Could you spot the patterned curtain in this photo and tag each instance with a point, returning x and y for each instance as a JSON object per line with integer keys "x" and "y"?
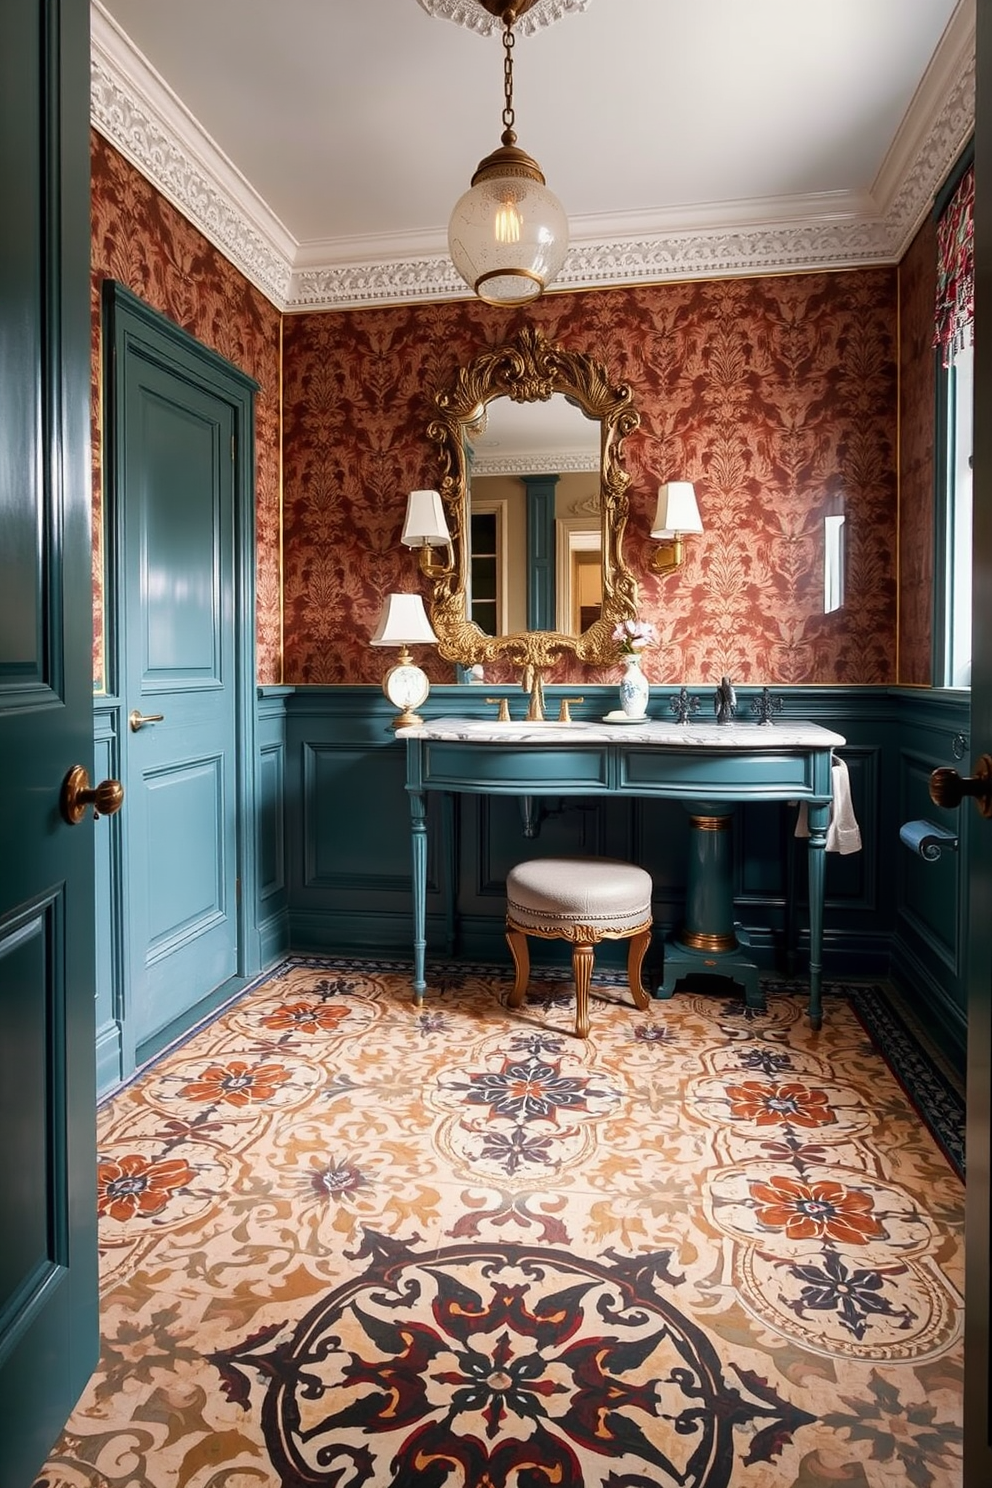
{"x": 956, "y": 271}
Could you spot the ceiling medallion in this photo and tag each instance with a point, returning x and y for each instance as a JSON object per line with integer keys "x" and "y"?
{"x": 532, "y": 15}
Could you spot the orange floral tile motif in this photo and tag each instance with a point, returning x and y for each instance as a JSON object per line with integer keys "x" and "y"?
{"x": 303, "y": 1017}
{"x": 459, "y": 1234}
{"x": 816, "y": 1211}
{"x": 773, "y": 1105}
{"x": 132, "y": 1186}
{"x": 237, "y": 1083}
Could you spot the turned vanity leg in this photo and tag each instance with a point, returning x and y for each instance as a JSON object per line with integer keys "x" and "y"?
{"x": 418, "y": 813}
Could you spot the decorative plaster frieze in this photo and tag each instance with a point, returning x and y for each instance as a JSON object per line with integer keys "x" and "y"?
{"x": 937, "y": 152}
{"x": 470, "y": 13}
{"x": 138, "y": 115}
{"x": 549, "y": 462}
{"x": 131, "y": 107}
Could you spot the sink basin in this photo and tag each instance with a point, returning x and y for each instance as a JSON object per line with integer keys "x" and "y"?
{"x": 526, "y": 723}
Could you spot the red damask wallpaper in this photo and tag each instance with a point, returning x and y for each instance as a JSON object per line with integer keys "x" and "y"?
{"x": 917, "y": 290}
{"x": 145, "y": 244}
{"x": 776, "y": 396}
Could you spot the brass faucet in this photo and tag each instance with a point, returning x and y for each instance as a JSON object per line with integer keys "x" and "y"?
{"x": 532, "y": 682}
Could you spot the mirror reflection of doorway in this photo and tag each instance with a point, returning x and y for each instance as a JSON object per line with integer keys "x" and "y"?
{"x": 586, "y": 588}
{"x": 579, "y": 573}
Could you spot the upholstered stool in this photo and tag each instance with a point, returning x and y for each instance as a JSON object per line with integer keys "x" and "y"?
{"x": 584, "y": 900}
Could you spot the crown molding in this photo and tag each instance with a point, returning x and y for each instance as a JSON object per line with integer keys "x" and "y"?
{"x": 139, "y": 115}
{"x": 134, "y": 108}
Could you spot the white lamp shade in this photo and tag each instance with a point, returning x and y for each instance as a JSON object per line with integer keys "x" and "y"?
{"x": 403, "y": 622}
{"x": 677, "y": 510}
{"x": 425, "y": 524}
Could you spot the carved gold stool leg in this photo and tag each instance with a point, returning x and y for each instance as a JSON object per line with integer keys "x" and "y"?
{"x": 582, "y": 957}
{"x": 517, "y": 941}
{"x": 636, "y": 952}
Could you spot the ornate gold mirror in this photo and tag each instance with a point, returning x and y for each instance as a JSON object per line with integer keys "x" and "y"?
{"x": 530, "y": 369}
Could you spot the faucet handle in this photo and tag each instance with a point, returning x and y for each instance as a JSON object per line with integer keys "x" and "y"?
{"x": 564, "y": 716}
{"x": 504, "y": 709}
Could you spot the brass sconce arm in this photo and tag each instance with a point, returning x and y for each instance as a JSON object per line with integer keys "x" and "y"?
{"x": 429, "y": 568}
{"x": 677, "y": 514}
{"x": 668, "y": 555}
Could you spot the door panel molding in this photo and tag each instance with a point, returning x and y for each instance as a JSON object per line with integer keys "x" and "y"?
{"x": 137, "y": 337}
{"x": 49, "y": 1334}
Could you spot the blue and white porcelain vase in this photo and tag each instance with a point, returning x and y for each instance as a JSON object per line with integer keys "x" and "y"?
{"x": 635, "y": 689}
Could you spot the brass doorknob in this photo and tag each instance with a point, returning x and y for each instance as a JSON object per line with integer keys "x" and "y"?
{"x": 77, "y": 794}
{"x": 948, "y": 788}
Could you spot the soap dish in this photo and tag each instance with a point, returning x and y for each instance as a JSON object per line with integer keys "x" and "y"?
{"x": 618, "y": 716}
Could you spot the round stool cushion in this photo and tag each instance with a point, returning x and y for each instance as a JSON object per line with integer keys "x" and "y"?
{"x": 602, "y": 892}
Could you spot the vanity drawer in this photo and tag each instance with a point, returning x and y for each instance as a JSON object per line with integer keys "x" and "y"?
{"x": 471, "y": 767}
{"x": 716, "y": 774}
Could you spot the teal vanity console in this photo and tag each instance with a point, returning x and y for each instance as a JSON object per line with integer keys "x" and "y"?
{"x": 708, "y": 766}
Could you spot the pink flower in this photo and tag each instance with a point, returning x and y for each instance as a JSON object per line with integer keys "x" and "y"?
{"x": 634, "y": 635}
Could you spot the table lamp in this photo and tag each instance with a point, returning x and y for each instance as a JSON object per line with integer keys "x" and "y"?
{"x": 404, "y": 623}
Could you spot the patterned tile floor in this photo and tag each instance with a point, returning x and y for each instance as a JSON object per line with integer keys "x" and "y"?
{"x": 348, "y": 1242}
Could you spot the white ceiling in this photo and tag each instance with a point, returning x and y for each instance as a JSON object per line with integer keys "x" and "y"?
{"x": 322, "y": 143}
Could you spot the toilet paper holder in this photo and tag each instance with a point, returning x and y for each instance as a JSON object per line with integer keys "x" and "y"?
{"x": 927, "y": 839}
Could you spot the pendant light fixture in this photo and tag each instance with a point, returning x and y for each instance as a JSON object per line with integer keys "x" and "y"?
{"x": 508, "y": 234}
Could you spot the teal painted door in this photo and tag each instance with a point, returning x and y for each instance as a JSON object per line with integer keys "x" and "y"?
{"x": 48, "y": 1276}
{"x": 177, "y": 463}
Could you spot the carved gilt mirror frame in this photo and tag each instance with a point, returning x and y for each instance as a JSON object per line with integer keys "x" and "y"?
{"x": 528, "y": 370}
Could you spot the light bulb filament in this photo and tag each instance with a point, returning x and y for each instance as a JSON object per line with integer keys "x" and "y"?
{"x": 507, "y": 222}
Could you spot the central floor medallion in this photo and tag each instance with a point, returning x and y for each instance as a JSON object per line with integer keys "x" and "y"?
{"x": 481, "y": 1365}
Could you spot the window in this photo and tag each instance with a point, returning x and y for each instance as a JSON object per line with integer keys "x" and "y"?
{"x": 487, "y": 586}
{"x": 956, "y": 670}
{"x": 953, "y": 506}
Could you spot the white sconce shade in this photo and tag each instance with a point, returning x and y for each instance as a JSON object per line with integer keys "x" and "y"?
{"x": 677, "y": 510}
{"x": 425, "y": 524}
{"x": 403, "y": 622}
{"x": 677, "y": 514}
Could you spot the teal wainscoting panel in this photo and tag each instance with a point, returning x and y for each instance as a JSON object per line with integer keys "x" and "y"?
{"x": 109, "y": 927}
{"x": 348, "y": 833}
{"x": 350, "y": 859}
{"x": 929, "y": 891}
{"x": 931, "y": 897}
{"x": 273, "y": 886}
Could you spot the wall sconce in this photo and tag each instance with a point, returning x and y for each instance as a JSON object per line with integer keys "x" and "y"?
{"x": 425, "y": 528}
{"x": 404, "y": 623}
{"x": 677, "y": 514}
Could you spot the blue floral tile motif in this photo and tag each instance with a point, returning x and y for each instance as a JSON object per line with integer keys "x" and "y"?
{"x": 855, "y": 1295}
{"x": 764, "y": 1060}
{"x": 528, "y": 1089}
{"x": 515, "y": 1149}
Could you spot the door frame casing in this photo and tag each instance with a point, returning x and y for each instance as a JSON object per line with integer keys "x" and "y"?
{"x": 132, "y": 327}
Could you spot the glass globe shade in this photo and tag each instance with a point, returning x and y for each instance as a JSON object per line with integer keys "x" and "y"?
{"x": 508, "y": 237}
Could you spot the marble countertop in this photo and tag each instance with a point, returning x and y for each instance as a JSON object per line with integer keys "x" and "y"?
{"x": 651, "y": 732}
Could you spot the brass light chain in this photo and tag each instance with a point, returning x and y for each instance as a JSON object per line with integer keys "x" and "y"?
{"x": 508, "y": 44}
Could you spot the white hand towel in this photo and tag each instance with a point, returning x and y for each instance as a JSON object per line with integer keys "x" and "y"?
{"x": 843, "y": 832}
